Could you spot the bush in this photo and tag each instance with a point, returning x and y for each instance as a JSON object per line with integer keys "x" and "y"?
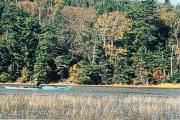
{"x": 88, "y": 74}
{"x": 176, "y": 78}
{"x": 62, "y": 66}
{"x": 5, "y": 77}
{"x": 25, "y": 75}
{"x": 107, "y": 73}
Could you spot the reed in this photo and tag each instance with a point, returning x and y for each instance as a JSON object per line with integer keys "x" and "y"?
{"x": 68, "y": 107}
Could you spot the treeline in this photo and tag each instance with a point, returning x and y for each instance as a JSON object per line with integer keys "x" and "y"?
{"x": 89, "y": 41}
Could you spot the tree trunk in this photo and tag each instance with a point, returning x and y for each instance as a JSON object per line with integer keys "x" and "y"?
{"x": 94, "y": 52}
{"x": 39, "y": 16}
{"x": 111, "y": 50}
{"x": 140, "y": 73}
{"x": 7, "y": 34}
{"x": 171, "y": 73}
{"x": 16, "y": 2}
{"x": 164, "y": 72}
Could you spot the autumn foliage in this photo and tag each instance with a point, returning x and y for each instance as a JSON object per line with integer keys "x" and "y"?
{"x": 113, "y": 24}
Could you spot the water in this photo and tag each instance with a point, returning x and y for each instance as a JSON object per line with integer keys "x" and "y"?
{"x": 137, "y": 107}
{"x": 99, "y": 92}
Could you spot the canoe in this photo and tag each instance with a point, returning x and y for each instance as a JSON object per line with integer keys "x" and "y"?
{"x": 38, "y": 88}
{"x": 56, "y": 88}
{"x": 20, "y": 88}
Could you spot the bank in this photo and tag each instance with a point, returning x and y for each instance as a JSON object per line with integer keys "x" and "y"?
{"x": 163, "y": 86}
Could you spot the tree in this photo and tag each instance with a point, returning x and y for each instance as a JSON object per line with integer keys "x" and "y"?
{"x": 20, "y": 37}
{"x": 167, "y": 2}
{"x": 144, "y": 37}
{"x": 170, "y": 17}
{"x": 112, "y": 27}
{"x": 111, "y": 6}
{"x": 87, "y": 74}
{"x": 128, "y": 42}
{"x": 43, "y": 66}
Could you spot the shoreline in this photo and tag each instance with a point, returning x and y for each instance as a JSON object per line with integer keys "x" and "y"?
{"x": 160, "y": 86}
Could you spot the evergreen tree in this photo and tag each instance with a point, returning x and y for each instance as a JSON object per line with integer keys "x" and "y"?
{"x": 145, "y": 34}
{"x": 167, "y": 2}
{"x": 43, "y": 66}
{"x": 20, "y": 33}
{"x": 128, "y": 42}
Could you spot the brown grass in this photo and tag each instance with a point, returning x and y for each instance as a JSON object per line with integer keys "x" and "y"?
{"x": 78, "y": 15}
{"x": 164, "y": 86}
{"x": 88, "y": 108}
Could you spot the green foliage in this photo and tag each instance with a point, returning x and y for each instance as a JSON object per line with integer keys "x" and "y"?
{"x": 80, "y": 3}
{"x": 42, "y": 68}
{"x": 70, "y": 46}
{"x": 167, "y": 1}
{"x": 111, "y": 5}
{"x": 25, "y": 75}
{"x": 88, "y": 74}
{"x": 144, "y": 27}
{"x": 5, "y": 77}
{"x": 20, "y": 36}
{"x": 68, "y": 2}
{"x": 62, "y": 66}
{"x": 107, "y": 73}
{"x": 176, "y": 78}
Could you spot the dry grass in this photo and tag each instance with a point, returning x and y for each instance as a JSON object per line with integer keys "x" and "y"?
{"x": 164, "y": 85}
{"x": 168, "y": 85}
{"x": 88, "y": 108}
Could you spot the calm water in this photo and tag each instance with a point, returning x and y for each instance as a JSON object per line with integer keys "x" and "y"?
{"x": 100, "y": 91}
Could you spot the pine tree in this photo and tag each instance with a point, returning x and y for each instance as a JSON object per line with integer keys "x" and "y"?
{"x": 42, "y": 66}
{"x": 20, "y": 34}
{"x": 167, "y": 2}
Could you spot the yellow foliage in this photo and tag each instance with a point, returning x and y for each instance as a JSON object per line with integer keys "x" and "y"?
{"x": 166, "y": 15}
{"x": 74, "y": 70}
{"x": 177, "y": 51}
{"x": 58, "y": 1}
{"x": 113, "y": 24}
{"x": 114, "y": 52}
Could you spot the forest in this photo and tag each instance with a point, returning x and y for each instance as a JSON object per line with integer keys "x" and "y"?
{"x": 89, "y": 41}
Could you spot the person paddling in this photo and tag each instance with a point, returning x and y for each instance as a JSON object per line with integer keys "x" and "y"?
{"x": 38, "y": 84}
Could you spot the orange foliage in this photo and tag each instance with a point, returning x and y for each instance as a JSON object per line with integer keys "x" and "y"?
{"x": 177, "y": 51}
{"x": 158, "y": 73}
{"x": 74, "y": 70}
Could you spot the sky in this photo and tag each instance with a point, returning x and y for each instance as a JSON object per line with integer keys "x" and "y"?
{"x": 174, "y": 2}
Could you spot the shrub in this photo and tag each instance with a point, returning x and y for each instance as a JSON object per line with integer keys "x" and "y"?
{"x": 176, "y": 78}
{"x": 88, "y": 74}
{"x": 5, "y": 77}
{"x": 25, "y": 75}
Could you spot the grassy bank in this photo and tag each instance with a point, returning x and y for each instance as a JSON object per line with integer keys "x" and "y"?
{"x": 88, "y": 108}
{"x": 165, "y": 85}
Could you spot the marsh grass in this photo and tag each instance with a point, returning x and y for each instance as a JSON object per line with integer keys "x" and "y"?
{"x": 68, "y": 107}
